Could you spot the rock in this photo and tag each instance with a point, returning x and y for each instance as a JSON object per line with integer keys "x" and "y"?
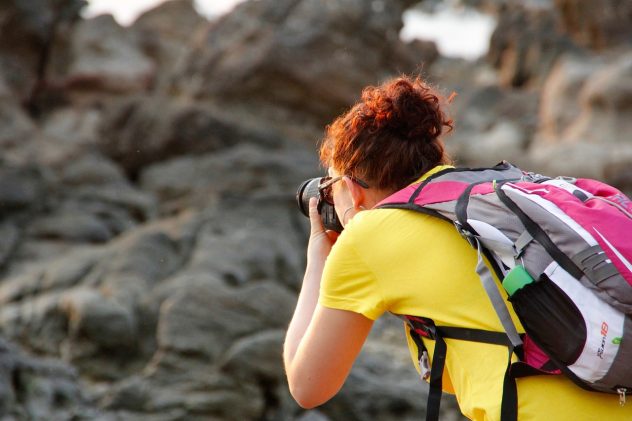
{"x": 54, "y": 208}
{"x": 21, "y": 187}
{"x": 487, "y": 115}
{"x": 174, "y": 20}
{"x": 149, "y": 254}
{"x": 235, "y": 247}
{"x": 606, "y": 105}
{"x": 15, "y": 125}
{"x": 558, "y": 105}
{"x": 149, "y": 233}
{"x": 526, "y": 44}
{"x": 137, "y": 206}
{"x": 105, "y": 57}
{"x": 256, "y": 356}
{"x": 593, "y": 141}
{"x": 570, "y": 159}
{"x": 598, "y": 24}
{"x": 102, "y": 336}
{"x": 5, "y": 92}
{"x": 35, "y": 388}
{"x": 68, "y": 271}
{"x": 29, "y": 30}
{"x": 39, "y": 323}
{"x": 65, "y": 272}
{"x": 503, "y": 140}
{"x": 165, "y": 34}
{"x": 146, "y": 130}
{"x": 198, "y": 181}
{"x": 264, "y": 53}
{"x": 74, "y": 128}
{"x": 100, "y": 320}
{"x": 618, "y": 172}
{"x": 313, "y": 415}
{"x": 9, "y": 238}
{"x": 92, "y": 169}
{"x": 70, "y": 226}
{"x": 204, "y": 314}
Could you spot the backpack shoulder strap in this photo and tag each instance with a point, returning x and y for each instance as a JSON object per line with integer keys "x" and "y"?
{"x": 423, "y": 327}
{"x": 447, "y": 185}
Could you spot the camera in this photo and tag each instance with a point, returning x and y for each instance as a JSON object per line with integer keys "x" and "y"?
{"x": 327, "y": 212}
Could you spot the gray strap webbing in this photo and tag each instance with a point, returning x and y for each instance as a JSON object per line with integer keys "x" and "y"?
{"x": 497, "y": 300}
{"x": 496, "y": 246}
{"x": 514, "y": 249}
{"x": 522, "y": 241}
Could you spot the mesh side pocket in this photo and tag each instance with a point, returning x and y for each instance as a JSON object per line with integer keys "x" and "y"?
{"x": 551, "y": 319}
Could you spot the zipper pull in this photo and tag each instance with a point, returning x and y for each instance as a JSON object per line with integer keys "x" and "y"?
{"x": 424, "y": 366}
{"x": 622, "y": 391}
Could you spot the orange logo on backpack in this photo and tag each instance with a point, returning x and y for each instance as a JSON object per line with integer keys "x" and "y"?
{"x": 604, "y": 333}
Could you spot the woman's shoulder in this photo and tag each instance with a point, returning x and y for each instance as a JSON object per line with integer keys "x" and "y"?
{"x": 391, "y": 230}
{"x": 385, "y": 221}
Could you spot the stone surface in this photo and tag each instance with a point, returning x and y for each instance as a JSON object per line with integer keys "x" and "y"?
{"x": 599, "y": 24}
{"x": 141, "y": 131}
{"x": 594, "y": 141}
{"x": 606, "y": 105}
{"x": 526, "y": 43}
{"x": 106, "y": 57}
{"x": 151, "y": 250}
{"x": 487, "y": 115}
{"x": 165, "y": 34}
{"x": 265, "y": 55}
{"x": 29, "y": 30}
{"x": 558, "y": 104}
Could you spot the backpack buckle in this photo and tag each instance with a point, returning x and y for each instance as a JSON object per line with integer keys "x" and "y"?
{"x": 424, "y": 366}
{"x": 466, "y": 234}
{"x": 622, "y": 392}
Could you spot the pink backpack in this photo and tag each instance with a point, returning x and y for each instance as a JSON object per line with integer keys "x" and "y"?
{"x": 562, "y": 248}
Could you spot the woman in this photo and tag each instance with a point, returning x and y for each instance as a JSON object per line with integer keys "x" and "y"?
{"x": 405, "y": 263}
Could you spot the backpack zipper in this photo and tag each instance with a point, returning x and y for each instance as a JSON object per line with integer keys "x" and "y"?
{"x": 622, "y": 391}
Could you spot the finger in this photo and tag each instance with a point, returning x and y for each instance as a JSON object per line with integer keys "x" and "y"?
{"x": 333, "y": 235}
{"x": 316, "y": 224}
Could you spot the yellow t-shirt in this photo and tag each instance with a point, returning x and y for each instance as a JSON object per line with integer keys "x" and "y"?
{"x": 410, "y": 263}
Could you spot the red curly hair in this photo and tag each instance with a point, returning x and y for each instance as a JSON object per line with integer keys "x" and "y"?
{"x": 391, "y": 136}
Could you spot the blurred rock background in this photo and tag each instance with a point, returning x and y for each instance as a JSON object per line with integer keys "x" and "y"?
{"x": 150, "y": 246}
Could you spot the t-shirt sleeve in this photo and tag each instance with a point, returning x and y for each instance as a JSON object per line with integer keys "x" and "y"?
{"x": 348, "y": 282}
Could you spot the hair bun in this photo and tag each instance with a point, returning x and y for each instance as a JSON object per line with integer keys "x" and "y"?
{"x": 409, "y": 109}
{"x": 390, "y": 137}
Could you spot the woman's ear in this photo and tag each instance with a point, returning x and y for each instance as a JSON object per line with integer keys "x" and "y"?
{"x": 358, "y": 193}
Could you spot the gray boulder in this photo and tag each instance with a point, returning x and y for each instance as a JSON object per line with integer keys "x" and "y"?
{"x": 39, "y": 389}
{"x": 597, "y": 24}
{"x": 594, "y": 142}
{"x": 291, "y": 53}
{"x": 526, "y": 43}
{"x": 104, "y": 56}
{"x": 166, "y": 33}
{"x": 141, "y": 131}
{"x": 492, "y": 124}
{"x": 29, "y": 30}
{"x": 558, "y": 104}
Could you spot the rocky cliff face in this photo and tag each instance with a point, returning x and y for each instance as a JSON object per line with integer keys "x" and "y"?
{"x": 150, "y": 246}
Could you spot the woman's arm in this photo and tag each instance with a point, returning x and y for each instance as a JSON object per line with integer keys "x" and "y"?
{"x": 321, "y": 343}
{"x": 325, "y": 355}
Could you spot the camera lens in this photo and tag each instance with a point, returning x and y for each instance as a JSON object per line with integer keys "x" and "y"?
{"x": 307, "y": 190}
{"x": 327, "y": 212}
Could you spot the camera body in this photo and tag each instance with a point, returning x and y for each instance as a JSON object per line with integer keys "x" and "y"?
{"x": 310, "y": 188}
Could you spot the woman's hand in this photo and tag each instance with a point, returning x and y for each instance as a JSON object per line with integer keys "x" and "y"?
{"x": 320, "y": 240}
